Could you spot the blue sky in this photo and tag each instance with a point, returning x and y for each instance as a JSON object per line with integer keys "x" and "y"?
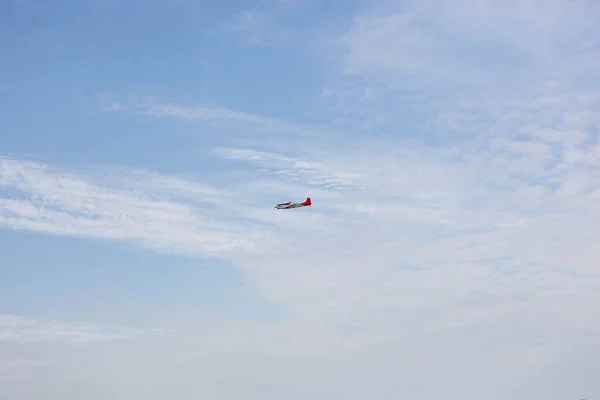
{"x": 451, "y": 152}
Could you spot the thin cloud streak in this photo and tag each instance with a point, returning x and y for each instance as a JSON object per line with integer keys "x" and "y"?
{"x": 21, "y": 329}
{"x": 63, "y": 203}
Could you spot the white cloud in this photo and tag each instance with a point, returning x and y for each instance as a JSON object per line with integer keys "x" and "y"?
{"x": 243, "y": 126}
{"x": 200, "y": 113}
{"x": 310, "y": 172}
{"x": 368, "y": 49}
{"x": 134, "y": 207}
{"x": 146, "y": 105}
{"x": 262, "y": 25}
{"x": 20, "y": 329}
{"x": 402, "y": 249}
{"x": 251, "y": 24}
{"x": 33, "y": 349}
{"x": 459, "y": 209}
{"x": 456, "y": 67}
{"x": 506, "y": 179}
{"x": 453, "y": 235}
{"x": 415, "y": 209}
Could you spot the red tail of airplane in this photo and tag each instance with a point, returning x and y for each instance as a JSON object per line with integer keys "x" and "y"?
{"x": 306, "y": 202}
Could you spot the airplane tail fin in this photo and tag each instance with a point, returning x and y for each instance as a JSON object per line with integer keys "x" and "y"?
{"x": 307, "y": 202}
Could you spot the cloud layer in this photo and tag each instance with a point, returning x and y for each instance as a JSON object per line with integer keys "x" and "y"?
{"x": 453, "y": 237}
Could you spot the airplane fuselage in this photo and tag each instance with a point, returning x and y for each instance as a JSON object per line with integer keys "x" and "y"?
{"x": 289, "y": 204}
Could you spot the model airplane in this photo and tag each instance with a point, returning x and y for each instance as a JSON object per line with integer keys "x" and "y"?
{"x": 289, "y": 204}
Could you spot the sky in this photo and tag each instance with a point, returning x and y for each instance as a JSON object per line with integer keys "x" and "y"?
{"x": 450, "y": 149}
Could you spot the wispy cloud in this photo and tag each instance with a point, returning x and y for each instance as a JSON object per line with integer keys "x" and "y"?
{"x": 233, "y": 127}
{"x": 113, "y": 107}
{"x": 455, "y": 203}
{"x": 391, "y": 200}
{"x": 477, "y": 154}
{"x": 295, "y": 169}
{"x": 267, "y": 24}
{"x": 135, "y": 207}
{"x": 145, "y": 105}
{"x": 456, "y": 44}
{"x": 251, "y": 24}
{"x": 201, "y": 113}
{"x": 457, "y": 219}
{"x": 149, "y": 106}
{"x": 16, "y": 328}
